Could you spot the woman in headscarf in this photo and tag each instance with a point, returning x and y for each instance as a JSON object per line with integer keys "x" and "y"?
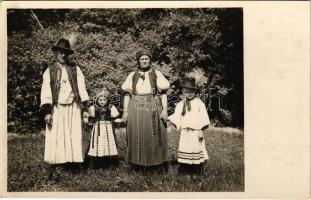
{"x": 145, "y": 108}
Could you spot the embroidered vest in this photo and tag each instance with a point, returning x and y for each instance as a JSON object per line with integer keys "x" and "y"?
{"x": 103, "y": 114}
{"x": 55, "y": 76}
{"x": 152, "y": 78}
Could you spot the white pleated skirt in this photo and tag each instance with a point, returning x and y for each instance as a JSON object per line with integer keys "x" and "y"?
{"x": 191, "y": 150}
{"x": 63, "y": 142}
{"x": 102, "y": 141}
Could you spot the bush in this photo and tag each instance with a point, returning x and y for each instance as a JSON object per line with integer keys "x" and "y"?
{"x": 105, "y": 46}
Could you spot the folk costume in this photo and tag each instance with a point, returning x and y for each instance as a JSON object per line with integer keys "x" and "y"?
{"x": 103, "y": 143}
{"x": 63, "y": 91}
{"x": 146, "y": 134}
{"x": 190, "y": 117}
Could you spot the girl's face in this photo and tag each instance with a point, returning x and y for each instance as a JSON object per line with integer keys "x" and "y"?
{"x": 144, "y": 61}
{"x": 61, "y": 56}
{"x": 188, "y": 93}
{"x": 102, "y": 101}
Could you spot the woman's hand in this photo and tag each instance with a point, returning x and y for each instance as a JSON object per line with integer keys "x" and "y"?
{"x": 85, "y": 117}
{"x": 124, "y": 116}
{"x": 164, "y": 115}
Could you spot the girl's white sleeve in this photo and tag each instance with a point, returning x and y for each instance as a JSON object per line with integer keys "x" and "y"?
{"x": 203, "y": 118}
{"x": 46, "y": 91}
{"x": 162, "y": 82}
{"x": 91, "y": 111}
{"x": 175, "y": 118}
{"x": 114, "y": 111}
{"x": 128, "y": 83}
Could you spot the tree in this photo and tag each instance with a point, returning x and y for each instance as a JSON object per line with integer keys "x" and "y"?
{"x": 105, "y": 42}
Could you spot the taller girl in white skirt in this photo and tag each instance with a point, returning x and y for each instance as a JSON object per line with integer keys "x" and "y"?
{"x": 103, "y": 143}
{"x": 191, "y": 118}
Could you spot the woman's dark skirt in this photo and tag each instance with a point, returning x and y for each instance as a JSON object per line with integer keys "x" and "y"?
{"x": 146, "y": 133}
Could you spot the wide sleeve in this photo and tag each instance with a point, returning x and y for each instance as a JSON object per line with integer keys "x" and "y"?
{"x": 202, "y": 118}
{"x": 81, "y": 85}
{"x": 46, "y": 91}
{"x": 127, "y": 86}
{"x": 162, "y": 82}
{"x": 114, "y": 111}
{"x": 91, "y": 111}
{"x": 175, "y": 118}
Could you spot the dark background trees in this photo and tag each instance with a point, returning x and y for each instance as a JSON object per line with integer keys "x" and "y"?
{"x": 106, "y": 40}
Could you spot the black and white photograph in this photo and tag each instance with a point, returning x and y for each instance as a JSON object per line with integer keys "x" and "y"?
{"x": 125, "y": 100}
{"x": 157, "y": 99}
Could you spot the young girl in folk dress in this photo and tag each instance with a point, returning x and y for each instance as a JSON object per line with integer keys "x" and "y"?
{"x": 102, "y": 144}
{"x": 191, "y": 118}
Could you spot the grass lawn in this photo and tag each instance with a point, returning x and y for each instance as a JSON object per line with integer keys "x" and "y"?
{"x": 224, "y": 171}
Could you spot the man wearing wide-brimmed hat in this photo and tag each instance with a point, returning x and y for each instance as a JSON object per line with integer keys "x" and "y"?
{"x": 63, "y": 95}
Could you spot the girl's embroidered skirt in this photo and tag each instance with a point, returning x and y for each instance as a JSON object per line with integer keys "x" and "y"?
{"x": 146, "y": 134}
{"x": 102, "y": 141}
{"x": 191, "y": 150}
{"x": 63, "y": 141}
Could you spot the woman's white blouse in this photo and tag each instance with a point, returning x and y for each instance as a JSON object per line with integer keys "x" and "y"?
{"x": 144, "y": 86}
{"x": 65, "y": 92}
{"x": 114, "y": 111}
{"x": 196, "y": 118}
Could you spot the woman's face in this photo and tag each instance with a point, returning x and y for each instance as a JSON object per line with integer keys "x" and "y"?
{"x": 188, "y": 93}
{"x": 102, "y": 101}
{"x": 144, "y": 61}
{"x": 61, "y": 56}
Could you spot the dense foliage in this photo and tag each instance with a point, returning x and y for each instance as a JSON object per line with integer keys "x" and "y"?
{"x": 105, "y": 41}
